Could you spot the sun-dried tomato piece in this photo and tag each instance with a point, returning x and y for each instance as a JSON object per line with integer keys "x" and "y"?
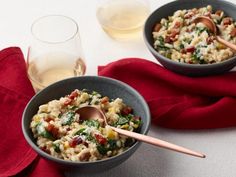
{"x": 157, "y": 27}
{"x": 73, "y": 95}
{"x": 48, "y": 118}
{"x": 227, "y": 21}
{"x": 67, "y": 102}
{"x": 53, "y": 130}
{"x": 100, "y": 139}
{"x": 177, "y": 24}
{"x": 210, "y": 39}
{"x": 105, "y": 100}
{"x": 233, "y": 32}
{"x": 75, "y": 141}
{"x": 190, "y": 49}
{"x": 218, "y": 12}
{"x": 126, "y": 110}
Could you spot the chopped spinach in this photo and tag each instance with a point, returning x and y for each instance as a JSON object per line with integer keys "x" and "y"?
{"x": 67, "y": 118}
{"x": 90, "y": 100}
{"x": 168, "y": 54}
{"x": 162, "y": 47}
{"x": 137, "y": 121}
{"x": 101, "y": 149}
{"x": 202, "y": 29}
{"x": 129, "y": 116}
{"x": 109, "y": 147}
{"x": 43, "y": 132}
{"x": 80, "y": 132}
{"x": 129, "y": 142}
{"x": 161, "y": 40}
{"x": 181, "y": 46}
{"x": 86, "y": 91}
{"x": 122, "y": 120}
{"x": 59, "y": 116}
{"x": 73, "y": 108}
{"x": 94, "y": 93}
{"x": 112, "y": 144}
{"x": 88, "y": 136}
{"x": 47, "y": 135}
{"x": 92, "y": 123}
{"x": 187, "y": 40}
{"x": 197, "y": 55}
{"x": 56, "y": 147}
{"x": 96, "y": 102}
{"x": 202, "y": 62}
{"x": 166, "y": 24}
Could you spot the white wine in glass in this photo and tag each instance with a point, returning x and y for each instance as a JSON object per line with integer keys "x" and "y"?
{"x": 123, "y": 19}
{"x": 55, "y": 52}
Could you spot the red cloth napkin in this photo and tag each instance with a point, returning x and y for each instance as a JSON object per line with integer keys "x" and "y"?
{"x": 178, "y": 101}
{"x": 15, "y": 91}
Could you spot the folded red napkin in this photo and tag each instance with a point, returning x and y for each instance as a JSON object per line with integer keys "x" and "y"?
{"x": 178, "y": 101}
{"x": 15, "y": 91}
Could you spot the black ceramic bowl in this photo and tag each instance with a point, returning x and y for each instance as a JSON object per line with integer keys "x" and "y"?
{"x": 106, "y": 86}
{"x": 183, "y": 68}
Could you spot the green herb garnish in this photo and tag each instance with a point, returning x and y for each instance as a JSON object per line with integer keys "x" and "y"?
{"x": 56, "y": 147}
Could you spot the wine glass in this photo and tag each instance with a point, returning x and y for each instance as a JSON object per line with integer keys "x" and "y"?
{"x": 55, "y": 52}
{"x": 123, "y": 19}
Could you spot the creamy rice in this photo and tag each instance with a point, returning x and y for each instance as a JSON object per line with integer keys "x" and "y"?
{"x": 181, "y": 40}
{"x": 59, "y": 131}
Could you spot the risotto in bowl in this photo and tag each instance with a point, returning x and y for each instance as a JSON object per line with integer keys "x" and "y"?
{"x": 188, "y": 48}
{"x": 53, "y": 128}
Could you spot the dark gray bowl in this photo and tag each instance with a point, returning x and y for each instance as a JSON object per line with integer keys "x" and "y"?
{"x": 183, "y": 68}
{"x": 106, "y": 86}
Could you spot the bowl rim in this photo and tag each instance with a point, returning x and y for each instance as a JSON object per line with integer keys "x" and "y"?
{"x": 155, "y": 52}
{"x": 67, "y": 162}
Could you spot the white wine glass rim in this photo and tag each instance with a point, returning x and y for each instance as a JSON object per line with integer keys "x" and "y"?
{"x": 55, "y": 42}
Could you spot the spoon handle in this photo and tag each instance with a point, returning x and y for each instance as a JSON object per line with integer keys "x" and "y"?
{"x": 157, "y": 142}
{"x": 228, "y": 44}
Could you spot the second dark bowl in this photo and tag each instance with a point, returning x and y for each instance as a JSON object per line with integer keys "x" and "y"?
{"x": 183, "y": 68}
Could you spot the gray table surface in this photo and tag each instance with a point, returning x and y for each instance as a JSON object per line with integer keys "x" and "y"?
{"x": 149, "y": 161}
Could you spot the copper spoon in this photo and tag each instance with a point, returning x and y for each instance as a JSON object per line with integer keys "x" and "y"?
{"x": 88, "y": 112}
{"x": 212, "y": 27}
